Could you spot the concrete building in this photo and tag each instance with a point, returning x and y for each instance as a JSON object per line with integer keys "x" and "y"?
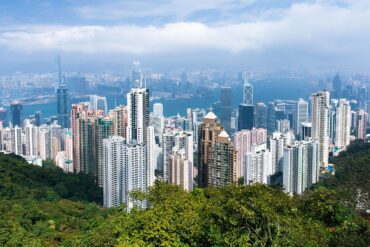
{"x": 320, "y": 124}
{"x": 301, "y": 166}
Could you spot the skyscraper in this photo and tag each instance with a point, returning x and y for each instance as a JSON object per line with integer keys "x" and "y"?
{"x": 59, "y": 75}
{"x": 342, "y": 124}
{"x": 83, "y": 133}
{"x": 337, "y": 86}
{"x": 63, "y": 107}
{"x": 301, "y": 166}
{"x": 246, "y": 117}
{"x": 158, "y": 109}
{"x": 139, "y": 149}
{"x": 103, "y": 129}
{"x": 113, "y": 171}
{"x": 361, "y": 124}
{"x": 181, "y": 166}
{"x": 38, "y": 118}
{"x": 277, "y": 143}
{"x": 243, "y": 142}
{"x": 137, "y": 114}
{"x": 124, "y": 171}
{"x": 258, "y": 165}
{"x": 16, "y": 108}
{"x": 247, "y": 92}
{"x": 320, "y": 124}
{"x": 302, "y": 115}
{"x": 44, "y": 142}
{"x": 283, "y": 125}
{"x": 137, "y": 76}
{"x": 31, "y": 138}
{"x": 246, "y": 109}
{"x": 261, "y": 115}
{"x": 225, "y": 108}
{"x": 306, "y": 130}
{"x": 98, "y": 103}
{"x": 271, "y": 118}
{"x": 207, "y": 133}
{"x": 119, "y": 117}
{"x": 3, "y": 116}
{"x": 216, "y": 154}
{"x": 16, "y": 140}
{"x": 221, "y": 161}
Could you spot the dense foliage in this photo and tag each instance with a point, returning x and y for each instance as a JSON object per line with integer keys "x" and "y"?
{"x": 35, "y": 211}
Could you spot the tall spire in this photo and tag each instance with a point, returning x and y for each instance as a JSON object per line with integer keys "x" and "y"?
{"x": 137, "y": 75}
{"x": 59, "y": 73}
{"x": 247, "y": 91}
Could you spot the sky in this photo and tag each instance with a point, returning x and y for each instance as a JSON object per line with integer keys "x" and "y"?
{"x": 185, "y": 33}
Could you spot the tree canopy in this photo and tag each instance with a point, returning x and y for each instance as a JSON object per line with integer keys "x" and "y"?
{"x": 42, "y": 206}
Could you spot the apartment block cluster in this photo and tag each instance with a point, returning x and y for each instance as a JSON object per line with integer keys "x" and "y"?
{"x": 128, "y": 148}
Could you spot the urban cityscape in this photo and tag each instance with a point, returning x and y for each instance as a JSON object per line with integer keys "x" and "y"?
{"x": 226, "y": 123}
{"x": 129, "y": 147}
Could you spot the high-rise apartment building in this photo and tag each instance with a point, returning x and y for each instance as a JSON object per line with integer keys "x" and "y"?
{"x": 83, "y": 132}
{"x": 301, "y": 166}
{"x": 243, "y": 142}
{"x": 221, "y": 161}
{"x": 124, "y": 172}
{"x": 16, "y": 140}
{"x": 44, "y": 142}
{"x": 207, "y": 133}
{"x": 137, "y": 114}
{"x": 119, "y": 117}
{"x": 103, "y": 129}
{"x": 258, "y": 165}
{"x": 31, "y": 138}
{"x": 177, "y": 150}
{"x": 320, "y": 124}
{"x": 342, "y": 124}
{"x": 216, "y": 154}
{"x": 113, "y": 171}
{"x": 361, "y": 124}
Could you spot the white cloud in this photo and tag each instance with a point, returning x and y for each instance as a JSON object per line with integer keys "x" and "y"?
{"x": 317, "y": 29}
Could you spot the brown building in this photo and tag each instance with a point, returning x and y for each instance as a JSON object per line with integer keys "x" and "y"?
{"x": 216, "y": 154}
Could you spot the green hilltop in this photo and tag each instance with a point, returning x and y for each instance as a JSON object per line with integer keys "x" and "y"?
{"x": 42, "y": 206}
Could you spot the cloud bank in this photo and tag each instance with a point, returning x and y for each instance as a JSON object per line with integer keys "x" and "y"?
{"x": 318, "y": 29}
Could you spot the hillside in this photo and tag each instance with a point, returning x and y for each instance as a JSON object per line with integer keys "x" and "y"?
{"x": 41, "y": 207}
{"x": 44, "y": 206}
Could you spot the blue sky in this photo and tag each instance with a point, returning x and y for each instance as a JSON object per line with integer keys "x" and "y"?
{"x": 270, "y": 33}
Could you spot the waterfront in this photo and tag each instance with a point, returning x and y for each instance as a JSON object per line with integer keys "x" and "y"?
{"x": 264, "y": 90}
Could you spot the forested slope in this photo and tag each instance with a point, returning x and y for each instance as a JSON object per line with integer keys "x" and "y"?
{"x": 45, "y": 207}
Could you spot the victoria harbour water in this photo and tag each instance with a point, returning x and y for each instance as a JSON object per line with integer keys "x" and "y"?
{"x": 264, "y": 90}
